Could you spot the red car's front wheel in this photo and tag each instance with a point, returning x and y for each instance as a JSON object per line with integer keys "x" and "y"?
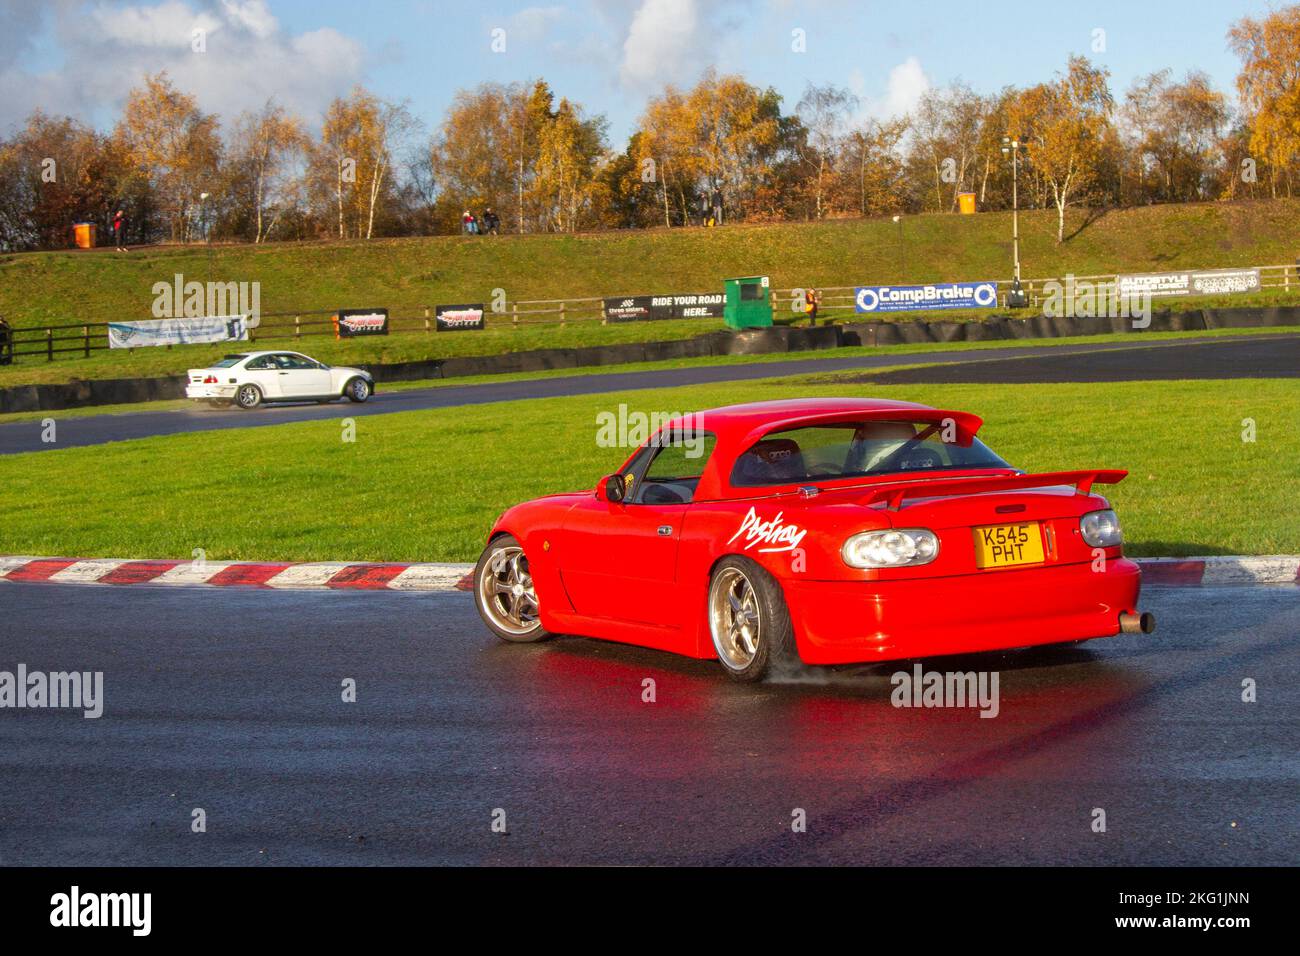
{"x": 504, "y": 592}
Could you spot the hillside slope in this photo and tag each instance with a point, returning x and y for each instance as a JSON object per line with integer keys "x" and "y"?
{"x": 407, "y": 275}
{"x": 55, "y": 287}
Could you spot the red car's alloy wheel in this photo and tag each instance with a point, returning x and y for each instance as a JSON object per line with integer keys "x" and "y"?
{"x": 506, "y": 597}
{"x": 734, "y": 618}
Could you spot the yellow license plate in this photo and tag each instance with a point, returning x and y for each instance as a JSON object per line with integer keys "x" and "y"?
{"x": 1005, "y": 545}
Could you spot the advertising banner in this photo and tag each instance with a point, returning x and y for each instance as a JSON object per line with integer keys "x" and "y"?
{"x": 706, "y": 305}
{"x": 632, "y": 308}
{"x": 939, "y": 295}
{"x": 349, "y": 323}
{"x": 639, "y": 308}
{"x": 455, "y": 318}
{"x": 148, "y": 332}
{"x": 1205, "y": 282}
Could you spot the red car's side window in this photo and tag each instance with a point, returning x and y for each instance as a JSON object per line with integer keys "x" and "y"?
{"x": 674, "y": 470}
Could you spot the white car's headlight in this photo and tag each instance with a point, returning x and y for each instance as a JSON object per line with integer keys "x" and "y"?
{"x": 1100, "y": 529}
{"x": 894, "y": 548}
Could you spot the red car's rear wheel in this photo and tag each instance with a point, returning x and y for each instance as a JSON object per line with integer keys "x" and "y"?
{"x": 748, "y": 620}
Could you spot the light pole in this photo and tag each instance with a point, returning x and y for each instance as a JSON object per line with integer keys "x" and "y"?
{"x": 902, "y": 259}
{"x": 207, "y": 230}
{"x": 1016, "y": 298}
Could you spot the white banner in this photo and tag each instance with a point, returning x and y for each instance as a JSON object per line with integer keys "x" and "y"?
{"x": 210, "y": 328}
{"x": 1204, "y": 282}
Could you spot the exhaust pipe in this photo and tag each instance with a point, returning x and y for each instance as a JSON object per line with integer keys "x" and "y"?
{"x": 1143, "y": 622}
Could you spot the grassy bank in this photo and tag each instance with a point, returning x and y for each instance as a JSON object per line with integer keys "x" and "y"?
{"x": 426, "y": 485}
{"x": 408, "y": 274}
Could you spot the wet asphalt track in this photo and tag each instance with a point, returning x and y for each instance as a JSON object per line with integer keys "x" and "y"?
{"x": 1223, "y": 357}
{"x": 230, "y": 701}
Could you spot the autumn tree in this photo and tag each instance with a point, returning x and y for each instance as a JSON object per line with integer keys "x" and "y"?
{"x": 54, "y": 172}
{"x": 667, "y": 152}
{"x": 946, "y": 127}
{"x": 512, "y": 148}
{"x": 267, "y": 148}
{"x": 566, "y": 189}
{"x": 1175, "y": 130}
{"x": 824, "y": 111}
{"x": 1269, "y": 87}
{"x": 722, "y": 136}
{"x": 872, "y": 167}
{"x": 353, "y": 161}
{"x": 1063, "y": 124}
{"x": 173, "y": 145}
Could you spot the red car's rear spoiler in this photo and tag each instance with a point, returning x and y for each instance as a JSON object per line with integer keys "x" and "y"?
{"x": 940, "y": 488}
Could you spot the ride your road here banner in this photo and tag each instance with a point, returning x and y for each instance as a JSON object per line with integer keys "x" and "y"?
{"x": 211, "y": 328}
{"x": 939, "y": 295}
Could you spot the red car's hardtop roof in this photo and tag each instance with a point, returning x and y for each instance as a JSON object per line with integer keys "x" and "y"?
{"x": 737, "y": 427}
{"x": 741, "y": 422}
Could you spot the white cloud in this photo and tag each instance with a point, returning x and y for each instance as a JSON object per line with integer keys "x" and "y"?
{"x": 664, "y": 43}
{"x": 254, "y": 15}
{"x": 107, "y": 50}
{"x": 906, "y": 84}
{"x": 533, "y": 23}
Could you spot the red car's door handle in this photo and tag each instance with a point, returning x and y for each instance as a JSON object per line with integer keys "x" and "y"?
{"x": 665, "y": 529}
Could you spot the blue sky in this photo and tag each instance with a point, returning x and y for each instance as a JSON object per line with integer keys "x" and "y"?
{"x": 70, "y": 56}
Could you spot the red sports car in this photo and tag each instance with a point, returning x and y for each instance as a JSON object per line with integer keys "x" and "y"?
{"x": 830, "y": 531}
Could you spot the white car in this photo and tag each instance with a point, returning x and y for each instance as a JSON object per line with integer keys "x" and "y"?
{"x": 251, "y": 378}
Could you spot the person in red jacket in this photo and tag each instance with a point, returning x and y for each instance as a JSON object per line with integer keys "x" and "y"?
{"x": 119, "y": 230}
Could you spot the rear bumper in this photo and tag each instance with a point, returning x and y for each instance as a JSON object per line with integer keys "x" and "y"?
{"x": 838, "y": 622}
{"x": 209, "y": 391}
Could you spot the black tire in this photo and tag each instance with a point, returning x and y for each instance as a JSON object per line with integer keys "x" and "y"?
{"x": 357, "y": 389}
{"x": 770, "y": 648}
{"x": 248, "y": 397}
{"x": 514, "y": 618}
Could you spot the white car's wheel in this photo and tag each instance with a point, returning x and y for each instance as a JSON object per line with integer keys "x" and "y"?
{"x": 248, "y": 396}
{"x": 357, "y": 390}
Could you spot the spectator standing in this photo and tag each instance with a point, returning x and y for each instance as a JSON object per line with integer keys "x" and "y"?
{"x": 119, "y": 230}
{"x": 491, "y": 222}
{"x": 468, "y": 223}
{"x": 812, "y": 300}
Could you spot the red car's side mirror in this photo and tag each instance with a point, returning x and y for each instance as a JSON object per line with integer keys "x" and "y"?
{"x": 611, "y": 488}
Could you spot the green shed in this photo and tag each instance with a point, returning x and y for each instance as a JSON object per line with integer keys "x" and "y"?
{"x": 747, "y": 305}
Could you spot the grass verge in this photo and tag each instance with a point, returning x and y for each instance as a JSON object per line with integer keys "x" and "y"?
{"x": 425, "y": 486}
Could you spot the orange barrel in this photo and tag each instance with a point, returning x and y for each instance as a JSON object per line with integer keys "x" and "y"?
{"x": 83, "y": 233}
{"x": 966, "y": 203}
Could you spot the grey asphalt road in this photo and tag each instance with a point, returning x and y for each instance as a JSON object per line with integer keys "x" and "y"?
{"x": 1276, "y": 357}
{"x": 1183, "y": 358}
{"x": 230, "y": 701}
